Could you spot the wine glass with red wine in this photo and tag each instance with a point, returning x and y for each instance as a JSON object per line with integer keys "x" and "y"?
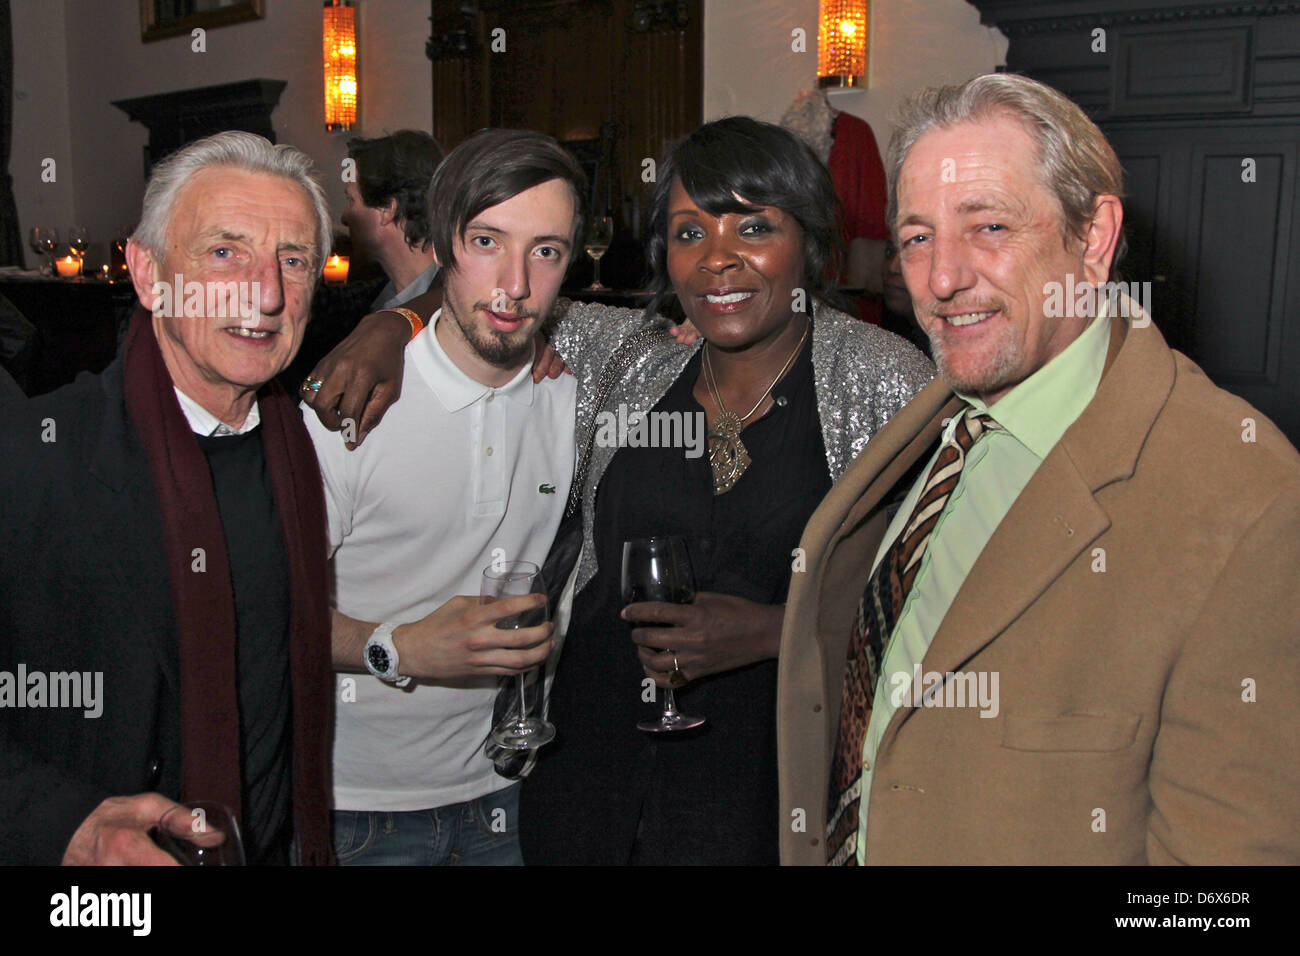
{"x": 659, "y": 569}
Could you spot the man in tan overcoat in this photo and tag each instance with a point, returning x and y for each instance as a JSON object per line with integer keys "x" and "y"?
{"x": 1052, "y": 613}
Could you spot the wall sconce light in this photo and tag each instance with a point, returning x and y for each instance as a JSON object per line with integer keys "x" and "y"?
{"x": 340, "y": 58}
{"x": 843, "y": 41}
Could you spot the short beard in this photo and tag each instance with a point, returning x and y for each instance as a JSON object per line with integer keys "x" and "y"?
{"x": 997, "y": 375}
{"x": 494, "y": 347}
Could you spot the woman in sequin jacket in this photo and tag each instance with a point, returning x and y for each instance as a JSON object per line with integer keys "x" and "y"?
{"x": 741, "y": 231}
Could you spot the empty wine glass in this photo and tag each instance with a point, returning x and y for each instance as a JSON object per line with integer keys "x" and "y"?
{"x": 659, "y": 569}
{"x": 509, "y": 579}
{"x": 201, "y": 833}
{"x": 44, "y": 239}
{"x": 77, "y": 239}
{"x": 600, "y": 232}
{"x": 117, "y": 254}
{"x": 34, "y": 241}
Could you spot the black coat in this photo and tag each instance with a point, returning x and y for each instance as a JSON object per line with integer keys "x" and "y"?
{"x": 83, "y": 587}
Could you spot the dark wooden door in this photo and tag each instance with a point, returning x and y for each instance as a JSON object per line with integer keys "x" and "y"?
{"x": 615, "y": 80}
{"x": 1202, "y": 104}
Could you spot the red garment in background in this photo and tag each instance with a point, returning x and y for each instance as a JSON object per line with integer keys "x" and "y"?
{"x": 859, "y": 177}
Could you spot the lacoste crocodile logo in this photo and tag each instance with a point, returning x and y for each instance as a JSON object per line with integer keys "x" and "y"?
{"x": 546, "y": 489}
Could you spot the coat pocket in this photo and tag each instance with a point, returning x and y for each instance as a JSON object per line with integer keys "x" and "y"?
{"x": 1080, "y": 733}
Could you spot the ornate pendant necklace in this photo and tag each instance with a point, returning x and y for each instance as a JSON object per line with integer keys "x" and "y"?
{"x": 728, "y": 456}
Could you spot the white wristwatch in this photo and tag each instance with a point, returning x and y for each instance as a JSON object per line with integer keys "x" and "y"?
{"x": 381, "y": 656}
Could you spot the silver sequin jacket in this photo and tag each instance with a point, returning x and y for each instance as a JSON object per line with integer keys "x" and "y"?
{"x": 862, "y": 376}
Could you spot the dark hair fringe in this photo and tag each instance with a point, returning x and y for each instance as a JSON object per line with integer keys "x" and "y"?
{"x": 488, "y": 168}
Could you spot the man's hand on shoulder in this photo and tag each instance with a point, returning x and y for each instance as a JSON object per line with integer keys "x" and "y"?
{"x": 117, "y": 833}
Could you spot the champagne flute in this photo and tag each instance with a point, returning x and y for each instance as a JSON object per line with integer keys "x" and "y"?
{"x": 600, "y": 232}
{"x": 659, "y": 569}
{"x": 508, "y": 579}
{"x": 201, "y": 833}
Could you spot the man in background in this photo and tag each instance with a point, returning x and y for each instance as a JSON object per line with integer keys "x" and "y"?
{"x": 386, "y": 180}
{"x": 387, "y": 214}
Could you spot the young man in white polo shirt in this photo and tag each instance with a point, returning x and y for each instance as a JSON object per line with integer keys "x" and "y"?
{"x": 474, "y": 457}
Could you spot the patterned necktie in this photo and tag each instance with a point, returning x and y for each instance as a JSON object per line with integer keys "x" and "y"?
{"x": 878, "y": 611}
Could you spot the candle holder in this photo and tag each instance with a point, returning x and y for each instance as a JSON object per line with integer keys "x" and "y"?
{"x": 68, "y": 267}
{"x": 336, "y": 270}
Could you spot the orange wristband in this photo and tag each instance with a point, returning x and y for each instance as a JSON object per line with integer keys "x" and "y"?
{"x": 416, "y": 322}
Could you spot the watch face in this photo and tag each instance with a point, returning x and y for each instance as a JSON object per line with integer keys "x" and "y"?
{"x": 378, "y": 658}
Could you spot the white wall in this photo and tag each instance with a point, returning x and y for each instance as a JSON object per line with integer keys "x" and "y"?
{"x": 92, "y": 50}
{"x": 40, "y": 124}
{"x": 749, "y": 67}
{"x": 72, "y": 57}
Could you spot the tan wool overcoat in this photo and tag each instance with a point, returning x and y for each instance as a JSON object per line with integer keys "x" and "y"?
{"x": 1140, "y": 606}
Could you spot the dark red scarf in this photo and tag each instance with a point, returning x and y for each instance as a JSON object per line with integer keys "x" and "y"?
{"x": 205, "y": 602}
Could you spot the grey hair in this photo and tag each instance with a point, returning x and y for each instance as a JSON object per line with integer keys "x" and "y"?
{"x": 246, "y": 151}
{"x": 1075, "y": 162}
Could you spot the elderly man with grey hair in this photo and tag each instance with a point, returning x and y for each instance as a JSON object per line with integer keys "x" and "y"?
{"x": 164, "y": 622}
{"x": 1049, "y": 614}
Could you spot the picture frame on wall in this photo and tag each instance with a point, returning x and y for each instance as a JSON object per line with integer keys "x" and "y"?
{"x": 168, "y": 18}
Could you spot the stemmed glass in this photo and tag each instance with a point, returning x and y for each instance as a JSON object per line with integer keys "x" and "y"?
{"x": 509, "y": 579}
{"x": 118, "y": 252}
{"x": 36, "y": 239}
{"x": 77, "y": 239}
{"x": 659, "y": 569}
{"x": 44, "y": 240}
{"x": 600, "y": 232}
{"x": 202, "y": 833}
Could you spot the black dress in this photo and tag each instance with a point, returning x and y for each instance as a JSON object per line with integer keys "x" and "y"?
{"x": 607, "y": 793}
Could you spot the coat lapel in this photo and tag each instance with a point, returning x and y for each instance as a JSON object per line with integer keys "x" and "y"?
{"x": 892, "y": 452}
{"x": 1057, "y": 515}
{"x": 1052, "y": 521}
{"x": 853, "y": 500}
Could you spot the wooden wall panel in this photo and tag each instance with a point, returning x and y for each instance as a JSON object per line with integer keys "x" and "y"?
{"x": 579, "y": 70}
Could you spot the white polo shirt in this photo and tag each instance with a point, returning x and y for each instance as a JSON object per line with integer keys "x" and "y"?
{"x": 455, "y": 470}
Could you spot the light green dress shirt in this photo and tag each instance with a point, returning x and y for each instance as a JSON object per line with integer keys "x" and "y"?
{"x": 1033, "y": 415}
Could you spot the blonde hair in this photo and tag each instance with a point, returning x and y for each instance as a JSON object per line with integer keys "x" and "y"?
{"x": 1075, "y": 161}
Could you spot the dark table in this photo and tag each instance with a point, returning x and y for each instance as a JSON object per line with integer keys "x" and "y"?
{"x": 76, "y": 321}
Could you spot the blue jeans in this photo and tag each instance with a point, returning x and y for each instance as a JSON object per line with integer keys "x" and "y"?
{"x": 481, "y": 832}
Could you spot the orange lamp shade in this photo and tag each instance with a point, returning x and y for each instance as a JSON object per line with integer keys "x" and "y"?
{"x": 843, "y": 32}
{"x": 340, "y": 61}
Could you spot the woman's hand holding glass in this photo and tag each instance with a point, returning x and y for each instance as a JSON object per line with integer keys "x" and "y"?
{"x": 713, "y": 634}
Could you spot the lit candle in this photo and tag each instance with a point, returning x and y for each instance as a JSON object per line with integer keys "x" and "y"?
{"x": 68, "y": 266}
{"x": 336, "y": 269}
